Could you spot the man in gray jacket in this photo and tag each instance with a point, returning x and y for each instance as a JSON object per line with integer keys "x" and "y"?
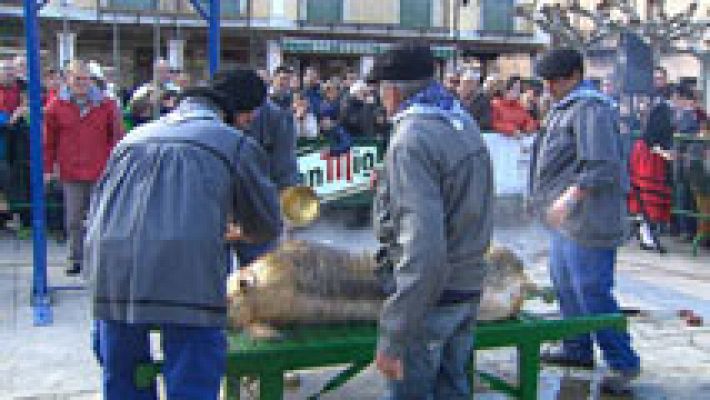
{"x": 579, "y": 186}
{"x": 274, "y": 130}
{"x": 433, "y": 220}
{"x": 155, "y": 237}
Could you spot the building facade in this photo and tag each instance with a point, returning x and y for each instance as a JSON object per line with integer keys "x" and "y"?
{"x": 332, "y": 35}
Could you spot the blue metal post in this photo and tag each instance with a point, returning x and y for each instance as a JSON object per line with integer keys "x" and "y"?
{"x": 40, "y": 292}
{"x": 214, "y": 39}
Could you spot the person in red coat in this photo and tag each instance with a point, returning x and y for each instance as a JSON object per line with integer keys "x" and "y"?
{"x": 650, "y": 195}
{"x": 81, "y": 127}
{"x": 509, "y": 116}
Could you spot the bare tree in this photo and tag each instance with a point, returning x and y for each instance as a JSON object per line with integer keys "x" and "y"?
{"x": 665, "y": 33}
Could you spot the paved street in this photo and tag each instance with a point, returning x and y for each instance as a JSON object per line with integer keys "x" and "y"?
{"x": 55, "y": 362}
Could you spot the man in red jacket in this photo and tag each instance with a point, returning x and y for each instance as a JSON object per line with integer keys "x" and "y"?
{"x": 81, "y": 128}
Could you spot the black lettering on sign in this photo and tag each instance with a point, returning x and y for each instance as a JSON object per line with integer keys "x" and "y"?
{"x": 369, "y": 160}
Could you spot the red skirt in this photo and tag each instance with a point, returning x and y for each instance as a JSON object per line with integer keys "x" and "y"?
{"x": 650, "y": 194}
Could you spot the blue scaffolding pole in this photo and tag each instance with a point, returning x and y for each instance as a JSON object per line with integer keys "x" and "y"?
{"x": 213, "y": 39}
{"x": 41, "y": 301}
{"x": 40, "y": 293}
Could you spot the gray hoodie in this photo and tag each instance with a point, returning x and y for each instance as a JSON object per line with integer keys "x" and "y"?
{"x": 581, "y": 145}
{"x": 433, "y": 219}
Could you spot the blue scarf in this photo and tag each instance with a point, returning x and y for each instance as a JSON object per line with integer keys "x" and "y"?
{"x": 434, "y": 95}
{"x": 584, "y": 90}
{"x": 435, "y": 99}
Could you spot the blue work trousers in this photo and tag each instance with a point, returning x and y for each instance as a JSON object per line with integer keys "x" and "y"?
{"x": 435, "y": 367}
{"x": 583, "y": 278}
{"x": 194, "y": 360}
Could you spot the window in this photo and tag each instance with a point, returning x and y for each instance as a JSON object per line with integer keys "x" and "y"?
{"x": 498, "y": 15}
{"x": 133, "y": 4}
{"x": 325, "y": 11}
{"x": 278, "y": 8}
{"x": 227, "y": 8}
{"x": 415, "y": 13}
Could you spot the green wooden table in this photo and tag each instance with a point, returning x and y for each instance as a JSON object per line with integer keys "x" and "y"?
{"x": 354, "y": 345}
{"x": 680, "y": 186}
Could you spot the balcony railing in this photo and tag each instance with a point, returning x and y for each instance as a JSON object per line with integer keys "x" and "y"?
{"x": 228, "y": 8}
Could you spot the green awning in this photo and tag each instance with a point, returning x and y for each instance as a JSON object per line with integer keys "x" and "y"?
{"x": 313, "y": 46}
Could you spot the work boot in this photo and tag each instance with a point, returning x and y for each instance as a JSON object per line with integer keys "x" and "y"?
{"x": 562, "y": 359}
{"x": 74, "y": 269}
{"x": 618, "y": 383}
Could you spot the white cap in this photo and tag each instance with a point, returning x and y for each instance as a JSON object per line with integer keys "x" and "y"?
{"x": 470, "y": 75}
{"x": 358, "y": 86}
{"x": 95, "y": 70}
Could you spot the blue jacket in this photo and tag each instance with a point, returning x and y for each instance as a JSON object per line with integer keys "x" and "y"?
{"x": 315, "y": 97}
{"x": 155, "y": 244}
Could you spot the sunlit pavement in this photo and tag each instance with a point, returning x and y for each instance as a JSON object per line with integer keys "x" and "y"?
{"x": 55, "y": 362}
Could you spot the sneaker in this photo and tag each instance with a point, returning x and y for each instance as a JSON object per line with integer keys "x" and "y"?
{"x": 74, "y": 269}
{"x": 560, "y": 358}
{"x": 618, "y": 383}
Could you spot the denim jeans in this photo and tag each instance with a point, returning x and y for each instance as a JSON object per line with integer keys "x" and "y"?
{"x": 195, "y": 360}
{"x": 583, "y": 278}
{"x": 435, "y": 366}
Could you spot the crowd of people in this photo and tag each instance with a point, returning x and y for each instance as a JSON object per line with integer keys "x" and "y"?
{"x": 662, "y": 168}
{"x": 346, "y": 107}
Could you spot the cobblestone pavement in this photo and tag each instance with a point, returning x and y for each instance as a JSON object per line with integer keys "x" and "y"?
{"x": 55, "y": 362}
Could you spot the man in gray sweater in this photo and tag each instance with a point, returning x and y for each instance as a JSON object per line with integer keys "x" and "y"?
{"x": 433, "y": 221}
{"x": 579, "y": 187}
{"x": 155, "y": 237}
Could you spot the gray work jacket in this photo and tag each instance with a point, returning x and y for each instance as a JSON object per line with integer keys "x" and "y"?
{"x": 432, "y": 217}
{"x": 155, "y": 244}
{"x": 581, "y": 145}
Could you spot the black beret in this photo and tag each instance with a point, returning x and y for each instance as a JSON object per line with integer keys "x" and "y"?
{"x": 559, "y": 63}
{"x": 403, "y": 62}
{"x": 236, "y": 90}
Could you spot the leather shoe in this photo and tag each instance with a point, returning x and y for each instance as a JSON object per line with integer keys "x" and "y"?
{"x": 74, "y": 269}
{"x": 618, "y": 383}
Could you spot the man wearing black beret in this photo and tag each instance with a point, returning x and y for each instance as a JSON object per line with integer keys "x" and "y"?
{"x": 579, "y": 186}
{"x": 154, "y": 242}
{"x": 433, "y": 221}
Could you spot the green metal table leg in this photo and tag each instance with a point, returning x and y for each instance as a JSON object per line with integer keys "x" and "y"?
{"x": 696, "y": 242}
{"x": 528, "y": 369}
{"x": 471, "y": 370}
{"x": 271, "y": 385}
{"x": 233, "y": 387}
